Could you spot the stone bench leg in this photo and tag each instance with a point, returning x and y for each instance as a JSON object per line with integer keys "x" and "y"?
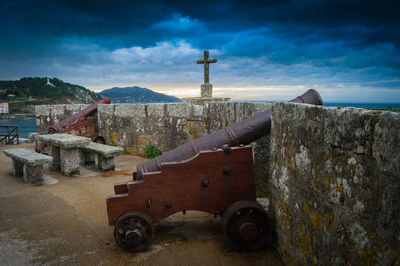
{"x": 56, "y": 163}
{"x": 88, "y": 158}
{"x": 69, "y": 161}
{"x": 33, "y": 174}
{"x": 35, "y": 139}
{"x": 17, "y": 168}
{"x": 105, "y": 163}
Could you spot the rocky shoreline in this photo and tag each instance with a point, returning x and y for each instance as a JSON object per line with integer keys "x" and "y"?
{"x": 16, "y": 116}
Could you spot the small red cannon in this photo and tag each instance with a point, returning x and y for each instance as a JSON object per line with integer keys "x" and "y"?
{"x": 213, "y": 174}
{"x": 81, "y": 123}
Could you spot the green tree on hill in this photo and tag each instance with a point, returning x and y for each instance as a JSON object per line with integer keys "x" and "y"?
{"x": 19, "y": 93}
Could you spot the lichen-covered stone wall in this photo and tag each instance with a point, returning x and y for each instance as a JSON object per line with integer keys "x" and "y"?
{"x": 133, "y": 126}
{"x": 167, "y": 126}
{"x": 48, "y": 115}
{"x": 335, "y": 185}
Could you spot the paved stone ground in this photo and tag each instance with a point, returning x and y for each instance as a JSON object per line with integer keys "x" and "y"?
{"x": 65, "y": 222}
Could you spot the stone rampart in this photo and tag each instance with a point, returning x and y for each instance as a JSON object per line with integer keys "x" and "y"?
{"x": 167, "y": 126}
{"x": 49, "y": 115}
{"x": 134, "y": 126}
{"x": 335, "y": 185}
{"x": 335, "y": 182}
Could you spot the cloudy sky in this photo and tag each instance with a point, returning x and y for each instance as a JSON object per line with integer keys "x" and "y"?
{"x": 267, "y": 50}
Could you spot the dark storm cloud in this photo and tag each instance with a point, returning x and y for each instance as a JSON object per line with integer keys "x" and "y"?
{"x": 309, "y": 41}
{"x": 97, "y": 20}
{"x": 131, "y": 20}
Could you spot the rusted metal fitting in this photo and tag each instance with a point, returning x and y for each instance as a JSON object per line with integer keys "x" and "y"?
{"x": 248, "y": 230}
{"x": 204, "y": 183}
{"x": 148, "y": 203}
{"x": 168, "y": 205}
{"x": 227, "y": 169}
{"x": 226, "y": 149}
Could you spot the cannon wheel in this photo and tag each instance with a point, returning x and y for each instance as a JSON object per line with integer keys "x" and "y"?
{"x": 246, "y": 226}
{"x": 99, "y": 139}
{"x": 51, "y": 130}
{"x": 134, "y": 231}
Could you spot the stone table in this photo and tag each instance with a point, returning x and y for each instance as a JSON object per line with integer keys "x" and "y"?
{"x": 64, "y": 149}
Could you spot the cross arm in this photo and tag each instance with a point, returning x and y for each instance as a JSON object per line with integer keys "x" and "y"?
{"x": 200, "y": 61}
{"x": 212, "y": 60}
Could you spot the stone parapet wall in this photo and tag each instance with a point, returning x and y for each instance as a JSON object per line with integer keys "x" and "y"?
{"x": 49, "y": 115}
{"x": 335, "y": 185}
{"x": 134, "y": 126}
{"x": 168, "y": 125}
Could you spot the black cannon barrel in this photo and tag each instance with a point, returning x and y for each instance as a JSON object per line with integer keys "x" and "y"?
{"x": 76, "y": 117}
{"x": 243, "y": 132}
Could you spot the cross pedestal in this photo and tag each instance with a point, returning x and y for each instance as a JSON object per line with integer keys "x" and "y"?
{"x": 206, "y": 88}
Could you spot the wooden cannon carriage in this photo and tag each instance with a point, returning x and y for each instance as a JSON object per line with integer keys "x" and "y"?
{"x": 219, "y": 182}
{"x": 213, "y": 174}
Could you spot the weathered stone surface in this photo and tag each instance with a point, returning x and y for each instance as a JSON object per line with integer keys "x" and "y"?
{"x": 32, "y": 137}
{"x": 33, "y": 174}
{"x": 28, "y": 164}
{"x": 169, "y": 125}
{"x": 56, "y": 163}
{"x": 105, "y": 163}
{"x": 203, "y": 100}
{"x": 387, "y": 153}
{"x": 48, "y": 115}
{"x": 69, "y": 162}
{"x": 206, "y": 90}
{"x": 181, "y": 110}
{"x": 39, "y": 147}
{"x": 335, "y": 186}
{"x": 261, "y": 165}
{"x": 27, "y": 156}
{"x": 65, "y": 141}
{"x": 103, "y": 150}
{"x": 17, "y": 168}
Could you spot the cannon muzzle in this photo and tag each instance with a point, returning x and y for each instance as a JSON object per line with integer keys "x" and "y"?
{"x": 69, "y": 121}
{"x": 243, "y": 132}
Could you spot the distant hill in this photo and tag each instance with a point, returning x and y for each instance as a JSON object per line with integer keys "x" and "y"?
{"x": 136, "y": 95}
{"x": 22, "y": 94}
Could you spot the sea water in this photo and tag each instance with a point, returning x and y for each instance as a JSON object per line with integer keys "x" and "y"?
{"x": 363, "y": 105}
{"x": 355, "y": 105}
{"x": 25, "y": 126}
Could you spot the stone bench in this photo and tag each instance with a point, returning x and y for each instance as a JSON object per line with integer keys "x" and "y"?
{"x": 105, "y": 155}
{"x": 28, "y": 164}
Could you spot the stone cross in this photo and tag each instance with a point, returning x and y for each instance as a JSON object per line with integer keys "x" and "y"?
{"x": 206, "y": 88}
